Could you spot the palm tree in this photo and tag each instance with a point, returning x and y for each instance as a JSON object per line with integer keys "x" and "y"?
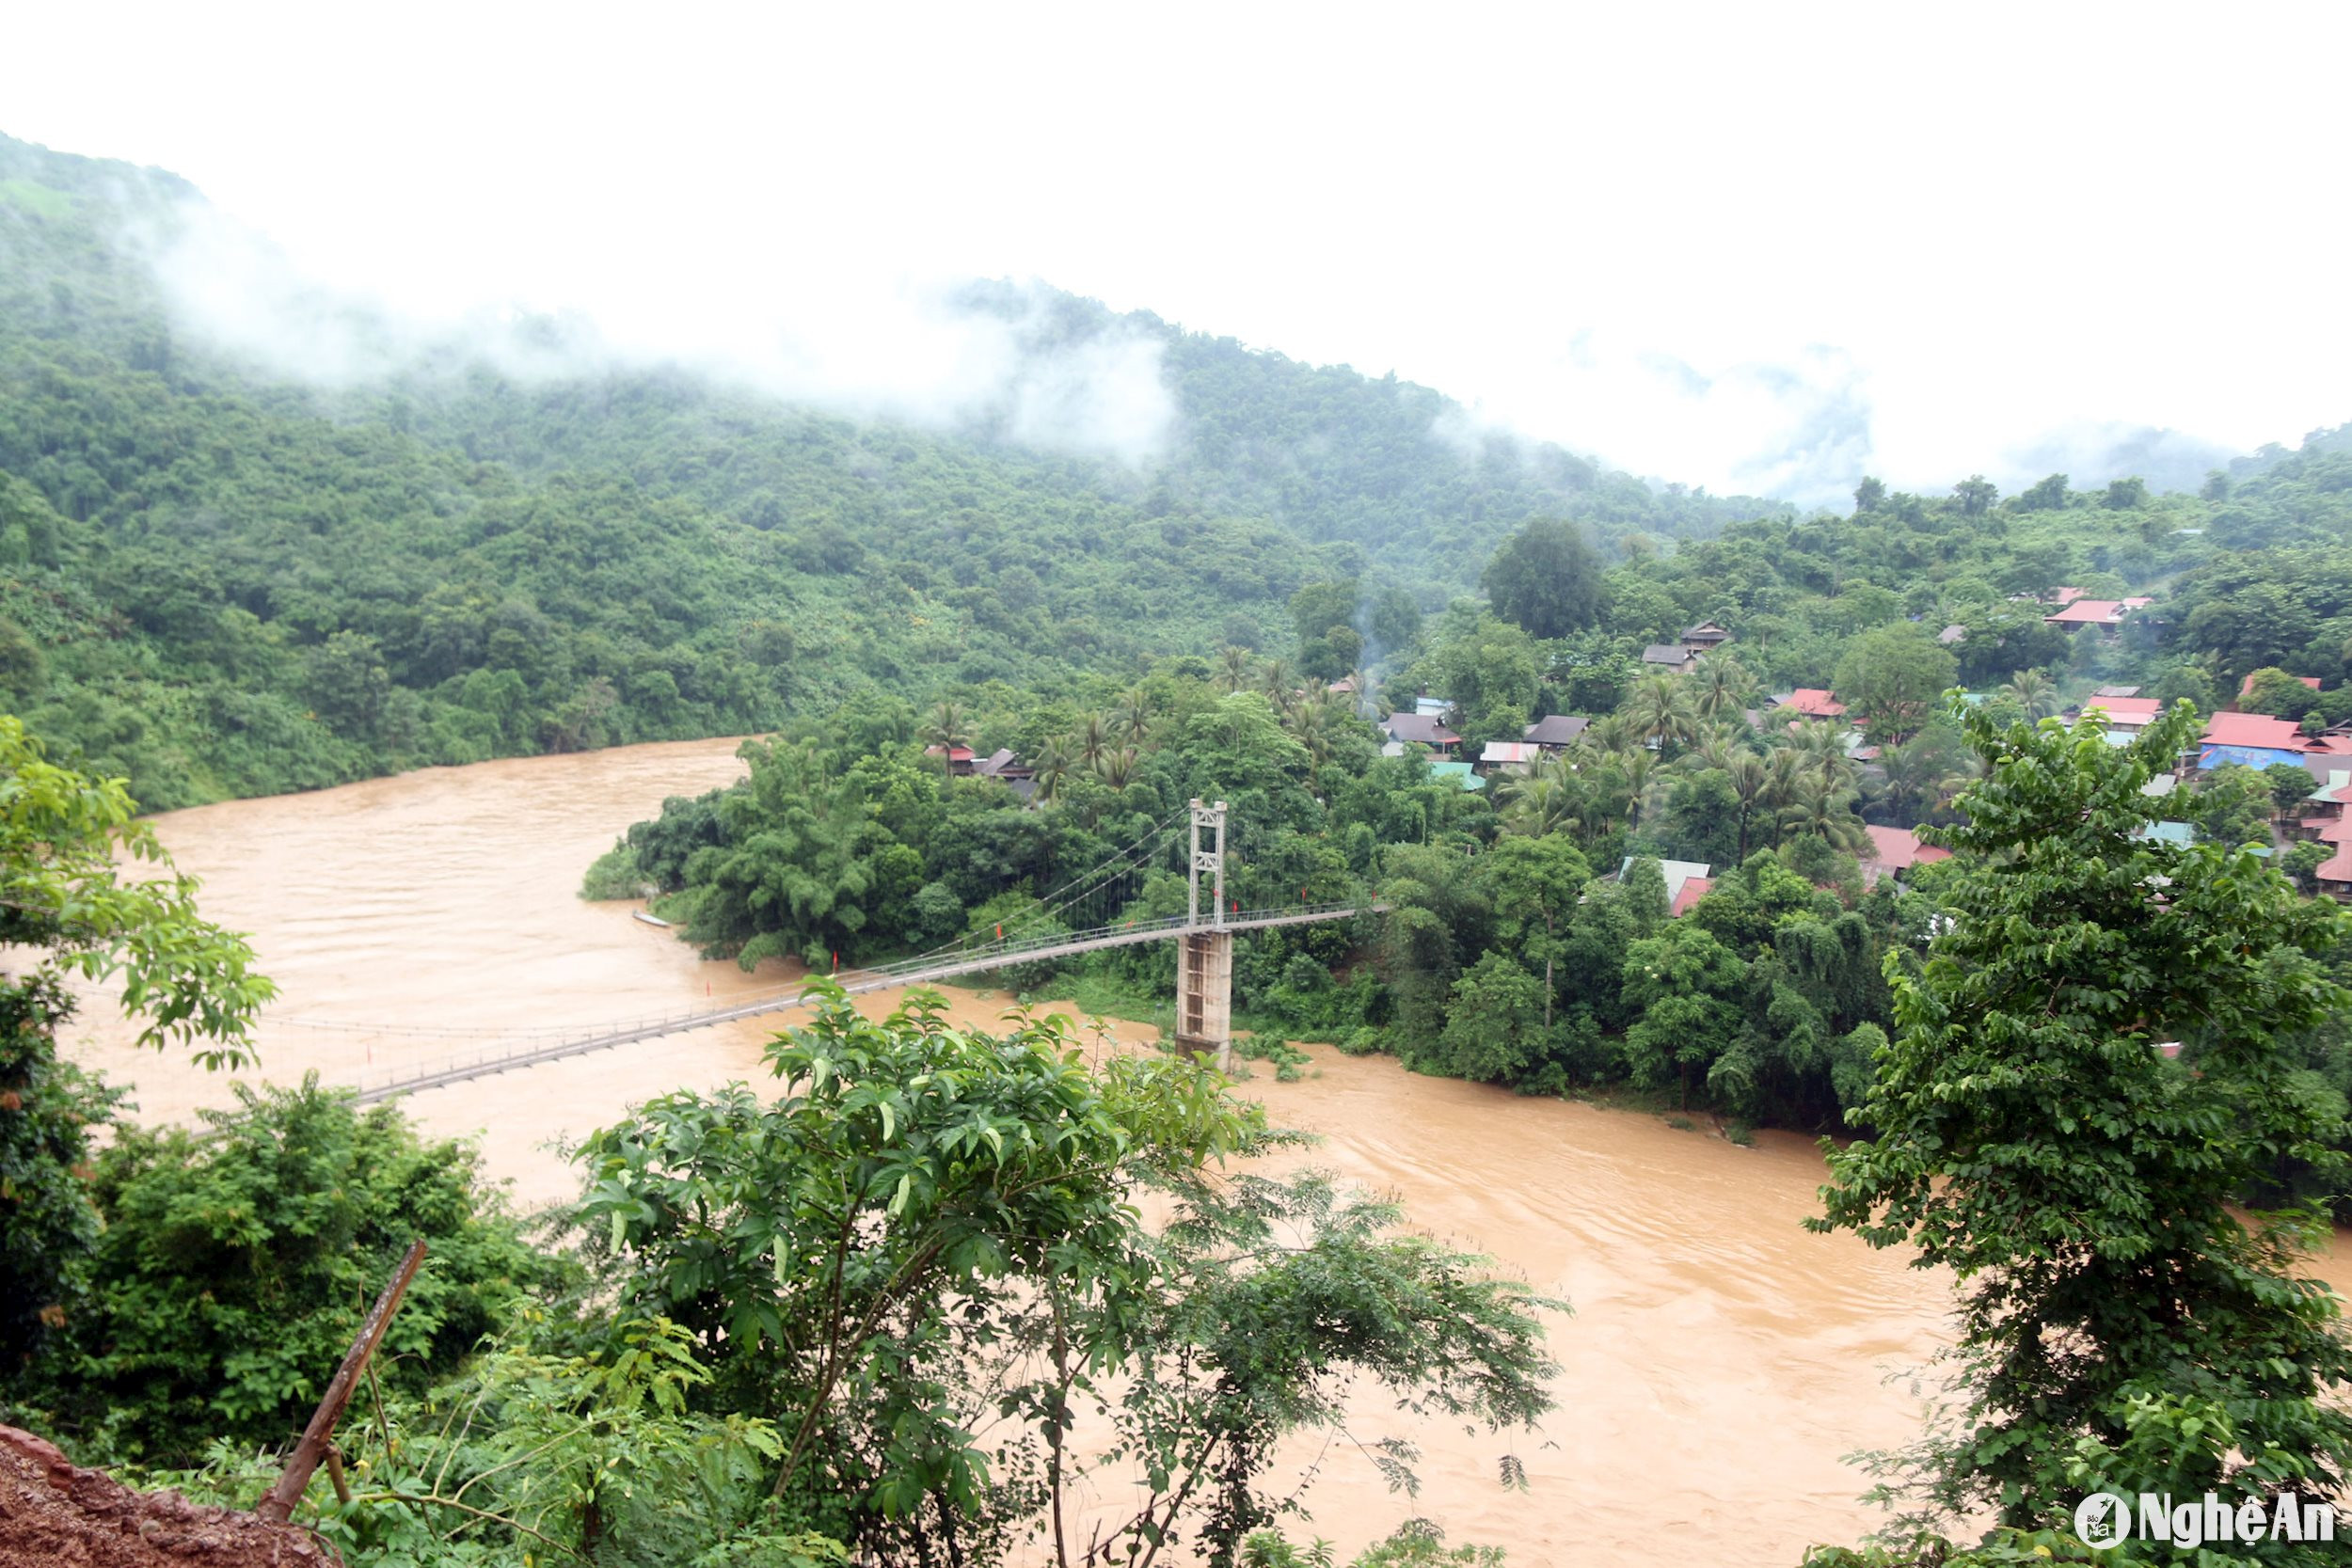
{"x": 1539, "y": 802}
{"x": 1783, "y": 777}
{"x": 1093, "y": 740}
{"x": 1827, "y": 814}
{"x": 1723, "y": 686}
{"x": 1133, "y": 715}
{"x": 1053, "y": 767}
{"x": 1718, "y": 747}
{"x": 2033, "y": 691}
{"x": 1311, "y": 727}
{"x": 1233, "y": 667}
{"x": 1661, "y": 713}
{"x": 1117, "y": 769}
{"x": 1279, "y": 684}
{"x": 1614, "y": 733}
{"x": 1751, "y": 786}
{"x": 1917, "y": 782}
{"x": 1638, "y": 768}
{"x": 947, "y": 728}
{"x": 1822, "y": 744}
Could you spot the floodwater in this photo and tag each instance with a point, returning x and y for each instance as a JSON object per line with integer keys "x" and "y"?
{"x": 1719, "y": 1362}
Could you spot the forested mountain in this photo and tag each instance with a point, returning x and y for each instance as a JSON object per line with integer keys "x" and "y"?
{"x": 223, "y": 581}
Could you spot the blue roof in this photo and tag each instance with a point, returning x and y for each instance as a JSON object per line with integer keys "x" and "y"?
{"x": 2251, "y": 756}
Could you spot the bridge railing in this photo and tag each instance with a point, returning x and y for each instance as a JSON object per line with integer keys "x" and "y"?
{"x": 538, "y": 1047}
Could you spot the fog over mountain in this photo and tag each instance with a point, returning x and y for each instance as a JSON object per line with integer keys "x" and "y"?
{"x": 1757, "y": 257}
{"x": 920, "y": 351}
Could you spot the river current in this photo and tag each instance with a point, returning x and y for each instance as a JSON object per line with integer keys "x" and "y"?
{"x": 1719, "y": 1364}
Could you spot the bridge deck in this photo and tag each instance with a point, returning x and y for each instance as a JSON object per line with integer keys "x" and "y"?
{"x": 912, "y": 971}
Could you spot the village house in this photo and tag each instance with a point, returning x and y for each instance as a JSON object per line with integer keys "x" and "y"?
{"x": 2326, "y": 820}
{"x": 1813, "y": 701}
{"x": 2246, "y": 686}
{"x": 1671, "y": 657}
{"x": 2253, "y": 739}
{"x": 1508, "y": 756}
{"x": 1420, "y": 728}
{"x": 2126, "y": 715}
{"x": 1557, "y": 733}
{"x": 1893, "y": 851}
{"x": 2106, "y": 614}
{"x": 1687, "y": 882}
{"x": 1705, "y": 638}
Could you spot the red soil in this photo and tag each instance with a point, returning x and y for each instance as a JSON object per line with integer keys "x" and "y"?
{"x": 53, "y": 1514}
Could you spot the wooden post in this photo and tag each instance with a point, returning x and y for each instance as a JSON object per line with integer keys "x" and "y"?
{"x": 319, "y": 1436}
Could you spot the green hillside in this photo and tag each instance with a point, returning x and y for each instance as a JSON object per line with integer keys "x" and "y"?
{"x": 219, "y": 583}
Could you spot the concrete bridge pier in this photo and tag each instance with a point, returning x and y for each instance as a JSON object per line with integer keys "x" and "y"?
{"x": 1204, "y": 995}
{"x": 1204, "y": 954}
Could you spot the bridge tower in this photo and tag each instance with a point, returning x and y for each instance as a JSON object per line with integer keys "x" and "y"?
{"x": 1204, "y": 954}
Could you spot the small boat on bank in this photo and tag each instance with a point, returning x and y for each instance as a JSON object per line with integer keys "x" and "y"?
{"x": 650, "y": 919}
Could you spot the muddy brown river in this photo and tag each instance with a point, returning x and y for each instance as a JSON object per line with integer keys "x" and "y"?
{"x": 1719, "y": 1361}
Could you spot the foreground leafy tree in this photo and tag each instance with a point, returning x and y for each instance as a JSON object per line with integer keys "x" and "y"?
{"x": 531, "y": 1455}
{"x": 68, "y": 911}
{"x": 2121, "y": 1327}
{"x": 932, "y": 1231}
{"x": 236, "y": 1264}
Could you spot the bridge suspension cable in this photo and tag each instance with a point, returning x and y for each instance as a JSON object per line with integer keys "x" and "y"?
{"x": 1040, "y": 934}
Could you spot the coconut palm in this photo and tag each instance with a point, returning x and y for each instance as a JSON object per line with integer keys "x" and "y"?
{"x": 1721, "y": 687}
{"x": 1094, "y": 738}
{"x": 947, "y": 728}
{"x": 1826, "y": 812}
{"x": 1279, "y": 683}
{"x": 1613, "y": 733}
{"x": 1053, "y": 767}
{"x": 1312, "y": 726}
{"x": 1661, "y": 713}
{"x": 1784, "y": 777}
{"x": 2033, "y": 691}
{"x": 1233, "y": 667}
{"x": 1751, "y": 786}
{"x": 1117, "y": 769}
{"x": 1822, "y": 744}
{"x": 1134, "y": 716}
{"x": 1717, "y": 748}
{"x": 1539, "y": 802}
{"x": 1918, "y": 779}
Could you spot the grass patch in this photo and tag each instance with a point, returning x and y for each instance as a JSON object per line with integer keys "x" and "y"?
{"x": 38, "y": 199}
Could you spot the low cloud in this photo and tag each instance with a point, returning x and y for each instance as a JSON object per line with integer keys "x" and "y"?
{"x": 939, "y": 355}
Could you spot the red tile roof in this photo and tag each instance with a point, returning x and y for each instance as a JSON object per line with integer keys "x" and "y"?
{"x": 2336, "y": 870}
{"x": 2246, "y": 686}
{"x": 1899, "y": 849}
{"x": 2255, "y": 729}
{"x": 1694, "y": 889}
{"x": 1816, "y": 702}
{"x": 2087, "y": 612}
{"x": 2126, "y": 710}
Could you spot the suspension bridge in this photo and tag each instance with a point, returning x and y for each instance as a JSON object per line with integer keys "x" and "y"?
{"x": 1205, "y": 969}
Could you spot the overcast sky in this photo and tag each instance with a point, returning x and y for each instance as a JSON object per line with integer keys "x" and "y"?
{"x": 1747, "y": 246}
